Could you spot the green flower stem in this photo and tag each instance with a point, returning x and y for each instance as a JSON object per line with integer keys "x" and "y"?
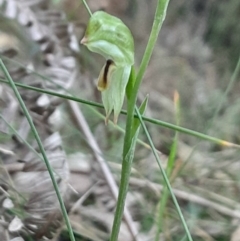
{"x": 86, "y": 6}
{"x": 165, "y": 177}
{"x": 128, "y": 152}
{"x": 41, "y": 148}
{"x": 129, "y": 139}
{"x": 124, "y": 112}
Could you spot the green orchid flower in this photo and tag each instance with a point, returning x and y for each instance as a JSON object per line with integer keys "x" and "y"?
{"x": 111, "y": 38}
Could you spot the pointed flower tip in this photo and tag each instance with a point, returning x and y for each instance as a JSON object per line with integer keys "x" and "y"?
{"x": 176, "y": 97}
{"x": 107, "y": 117}
{"x": 115, "y": 119}
{"x": 84, "y": 40}
{"x": 106, "y": 121}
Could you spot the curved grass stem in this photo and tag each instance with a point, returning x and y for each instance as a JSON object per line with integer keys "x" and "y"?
{"x": 86, "y": 6}
{"x": 41, "y": 148}
{"x": 165, "y": 177}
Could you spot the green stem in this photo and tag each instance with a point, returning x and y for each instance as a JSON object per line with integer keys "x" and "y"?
{"x": 124, "y": 112}
{"x": 129, "y": 139}
{"x": 160, "y": 215}
{"x": 41, "y": 148}
{"x": 86, "y": 6}
{"x": 224, "y": 96}
{"x": 170, "y": 165}
{"x": 128, "y": 151}
{"x": 157, "y": 24}
{"x": 20, "y": 138}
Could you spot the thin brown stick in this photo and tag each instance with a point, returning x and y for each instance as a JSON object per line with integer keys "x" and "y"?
{"x": 189, "y": 197}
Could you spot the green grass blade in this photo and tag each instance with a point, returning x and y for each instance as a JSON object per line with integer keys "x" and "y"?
{"x": 124, "y": 112}
{"x": 216, "y": 112}
{"x": 41, "y": 148}
{"x": 173, "y": 150}
{"x": 226, "y": 92}
{"x": 142, "y": 108}
{"x": 170, "y": 165}
{"x": 165, "y": 177}
{"x": 24, "y": 141}
{"x": 159, "y": 18}
{"x": 87, "y": 7}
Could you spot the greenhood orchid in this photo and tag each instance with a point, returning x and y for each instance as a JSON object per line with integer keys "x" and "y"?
{"x": 111, "y": 38}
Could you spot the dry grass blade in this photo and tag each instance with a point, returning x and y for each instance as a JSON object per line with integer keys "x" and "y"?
{"x": 188, "y": 197}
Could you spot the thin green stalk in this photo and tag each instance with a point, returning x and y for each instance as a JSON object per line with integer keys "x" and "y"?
{"x": 165, "y": 177}
{"x": 170, "y": 165}
{"x": 86, "y": 6}
{"x": 216, "y": 112}
{"x": 41, "y": 148}
{"x": 53, "y": 93}
{"x": 128, "y": 152}
{"x": 129, "y": 140}
{"x": 89, "y": 103}
{"x": 24, "y": 141}
{"x": 191, "y": 132}
{"x": 159, "y": 17}
{"x": 224, "y": 96}
{"x": 124, "y": 112}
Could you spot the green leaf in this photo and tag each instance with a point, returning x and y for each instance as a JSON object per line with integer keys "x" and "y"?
{"x": 131, "y": 82}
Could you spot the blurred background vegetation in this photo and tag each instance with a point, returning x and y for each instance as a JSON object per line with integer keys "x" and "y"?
{"x": 198, "y": 55}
